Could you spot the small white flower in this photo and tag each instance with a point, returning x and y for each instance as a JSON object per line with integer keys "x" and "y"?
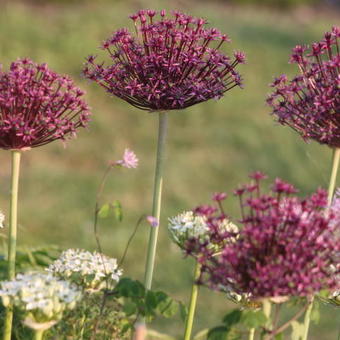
{"x": 2, "y": 219}
{"x": 91, "y": 271}
{"x": 42, "y": 297}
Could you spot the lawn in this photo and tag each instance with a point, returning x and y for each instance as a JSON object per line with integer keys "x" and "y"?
{"x": 211, "y": 147}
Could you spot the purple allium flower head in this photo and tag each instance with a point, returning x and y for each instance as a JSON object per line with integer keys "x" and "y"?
{"x": 129, "y": 160}
{"x": 287, "y": 247}
{"x": 168, "y": 64}
{"x": 38, "y": 106}
{"x": 310, "y": 102}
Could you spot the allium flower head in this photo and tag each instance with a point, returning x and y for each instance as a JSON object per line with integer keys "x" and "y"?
{"x": 91, "y": 271}
{"x": 41, "y": 297}
{"x": 310, "y": 102}
{"x": 286, "y": 247}
{"x": 38, "y": 106}
{"x": 169, "y": 63}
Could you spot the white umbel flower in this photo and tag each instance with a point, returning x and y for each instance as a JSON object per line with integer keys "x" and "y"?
{"x": 2, "y": 219}
{"x": 187, "y": 225}
{"x": 42, "y": 297}
{"x": 92, "y": 271}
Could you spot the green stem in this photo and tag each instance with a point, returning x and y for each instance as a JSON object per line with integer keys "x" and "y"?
{"x": 12, "y": 236}
{"x": 192, "y": 304}
{"x": 332, "y": 181}
{"x": 38, "y": 335}
{"x": 267, "y": 308}
{"x": 331, "y": 188}
{"x": 251, "y": 334}
{"x": 157, "y": 196}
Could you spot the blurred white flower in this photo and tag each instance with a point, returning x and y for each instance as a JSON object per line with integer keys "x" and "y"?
{"x": 41, "y": 297}
{"x": 2, "y": 219}
{"x": 91, "y": 271}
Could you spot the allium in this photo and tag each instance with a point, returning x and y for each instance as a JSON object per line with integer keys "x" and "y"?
{"x": 38, "y": 106}
{"x": 41, "y": 297}
{"x": 91, "y": 271}
{"x": 286, "y": 247}
{"x": 129, "y": 160}
{"x": 310, "y": 102}
{"x": 169, "y": 63}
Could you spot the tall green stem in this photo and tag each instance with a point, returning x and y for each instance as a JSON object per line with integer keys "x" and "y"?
{"x": 267, "y": 308}
{"x": 331, "y": 188}
{"x": 251, "y": 334}
{"x": 157, "y": 196}
{"x": 38, "y": 335}
{"x": 12, "y": 236}
{"x": 192, "y": 304}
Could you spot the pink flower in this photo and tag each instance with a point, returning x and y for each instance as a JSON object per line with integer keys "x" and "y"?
{"x": 129, "y": 161}
{"x": 152, "y": 221}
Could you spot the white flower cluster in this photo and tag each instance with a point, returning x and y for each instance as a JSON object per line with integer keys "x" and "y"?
{"x": 187, "y": 225}
{"x": 92, "y": 271}
{"x": 2, "y": 219}
{"x": 40, "y": 296}
{"x": 335, "y": 298}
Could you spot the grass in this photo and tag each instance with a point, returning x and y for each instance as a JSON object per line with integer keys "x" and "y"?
{"x": 211, "y": 147}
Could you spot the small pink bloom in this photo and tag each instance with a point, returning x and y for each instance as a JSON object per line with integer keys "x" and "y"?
{"x": 129, "y": 161}
{"x": 152, "y": 221}
{"x": 219, "y": 196}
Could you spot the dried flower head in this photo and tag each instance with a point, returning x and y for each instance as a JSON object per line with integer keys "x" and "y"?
{"x": 310, "y": 102}
{"x": 41, "y": 297}
{"x": 169, "y": 64}
{"x": 91, "y": 271}
{"x": 38, "y": 106}
{"x": 129, "y": 161}
{"x": 286, "y": 247}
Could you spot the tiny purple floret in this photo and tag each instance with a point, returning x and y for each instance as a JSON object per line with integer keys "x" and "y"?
{"x": 129, "y": 161}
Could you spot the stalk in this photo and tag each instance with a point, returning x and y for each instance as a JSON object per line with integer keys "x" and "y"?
{"x": 38, "y": 335}
{"x": 267, "y": 308}
{"x": 192, "y": 304}
{"x": 331, "y": 188}
{"x": 251, "y": 334}
{"x": 157, "y": 196}
{"x": 12, "y": 236}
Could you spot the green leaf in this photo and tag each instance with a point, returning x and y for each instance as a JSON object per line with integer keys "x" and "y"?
{"x": 129, "y": 288}
{"x": 166, "y": 305}
{"x": 129, "y": 308}
{"x": 278, "y": 336}
{"x": 297, "y": 330}
{"x": 232, "y": 318}
{"x": 104, "y": 211}
{"x": 117, "y": 210}
{"x": 253, "y": 319}
{"x": 183, "y": 310}
{"x": 218, "y": 333}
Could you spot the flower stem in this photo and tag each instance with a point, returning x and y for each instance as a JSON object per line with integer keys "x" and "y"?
{"x": 192, "y": 304}
{"x": 331, "y": 188}
{"x": 251, "y": 334}
{"x": 38, "y": 335}
{"x": 12, "y": 237}
{"x": 157, "y": 196}
{"x": 267, "y": 308}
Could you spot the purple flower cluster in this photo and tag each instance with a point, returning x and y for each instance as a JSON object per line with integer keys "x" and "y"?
{"x": 38, "y": 106}
{"x": 168, "y": 64}
{"x": 287, "y": 246}
{"x": 310, "y": 102}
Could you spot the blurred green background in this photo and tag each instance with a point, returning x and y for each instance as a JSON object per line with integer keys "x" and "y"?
{"x": 211, "y": 147}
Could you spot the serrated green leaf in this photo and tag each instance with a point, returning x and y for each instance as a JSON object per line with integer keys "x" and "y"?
{"x": 151, "y": 300}
{"x": 232, "y": 318}
{"x": 218, "y": 333}
{"x": 129, "y": 308}
{"x": 168, "y": 307}
{"x": 253, "y": 319}
{"x": 297, "y": 330}
{"x": 104, "y": 211}
{"x": 117, "y": 210}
